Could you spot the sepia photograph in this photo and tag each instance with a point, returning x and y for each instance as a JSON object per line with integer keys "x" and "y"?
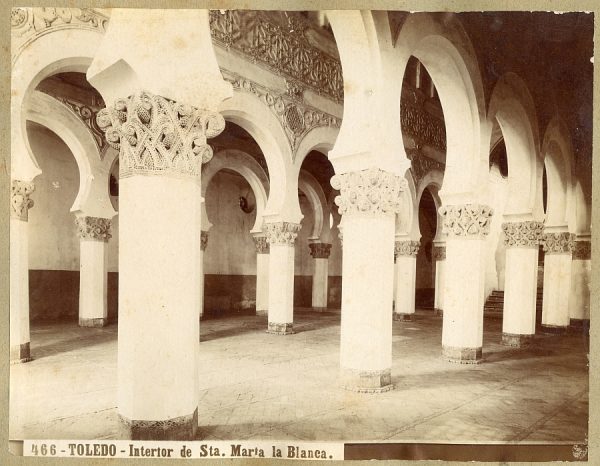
{"x": 300, "y": 234}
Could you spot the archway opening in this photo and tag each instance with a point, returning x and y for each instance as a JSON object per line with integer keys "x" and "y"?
{"x": 425, "y": 279}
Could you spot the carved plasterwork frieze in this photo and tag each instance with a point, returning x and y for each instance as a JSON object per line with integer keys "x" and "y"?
{"x": 422, "y": 126}
{"x": 371, "y": 191}
{"x": 155, "y": 135}
{"x": 296, "y": 118}
{"x": 467, "y": 220}
{"x": 420, "y": 164}
{"x": 582, "y": 250}
{"x": 522, "y": 234}
{"x": 27, "y": 24}
{"x": 283, "y": 233}
{"x": 20, "y": 200}
{"x": 284, "y": 51}
{"x": 94, "y": 228}
{"x": 558, "y": 243}
{"x": 320, "y": 250}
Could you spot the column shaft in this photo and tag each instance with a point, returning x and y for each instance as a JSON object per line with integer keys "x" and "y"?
{"x": 94, "y": 233}
{"x": 320, "y": 285}
{"x": 262, "y": 284}
{"x": 203, "y": 244}
{"x": 579, "y": 299}
{"x": 406, "y": 271}
{"x": 19, "y": 292}
{"x": 439, "y": 256}
{"x": 20, "y": 350}
{"x": 368, "y": 202}
{"x": 281, "y": 237}
{"x": 462, "y": 333}
{"x": 557, "y": 282}
{"x": 520, "y": 284}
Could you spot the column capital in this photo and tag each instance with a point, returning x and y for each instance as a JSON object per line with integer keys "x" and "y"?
{"x": 438, "y": 252}
{"x": 582, "y": 250}
{"x": 155, "y": 135}
{"x": 467, "y": 220}
{"x": 283, "y": 233}
{"x": 320, "y": 250}
{"x": 372, "y": 191}
{"x": 558, "y": 243}
{"x": 406, "y": 248}
{"x": 522, "y": 234}
{"x": 93, "y": 228}
{"x": 261, "y": 244}
{"x": 20, "y": 201}
{"x": 203, "y": 240}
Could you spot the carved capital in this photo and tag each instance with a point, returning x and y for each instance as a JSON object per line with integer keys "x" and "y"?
{"x": 284, "y": 233}
{"x": 156, "y": 136}
{"x": 203, "y": 240}
{"x": 20, "y": 202}
{"x": 438, "y": 253}
{"x": 558, "y": 243}
{"x": 261, "y": 244}
{"x": 320, "y": 250}
{"x": 371, "y": 191}
{"x": 93, "y": 228}
{"x": 468, "y": 220}
{"x": 522, "y": 234}
{"x": 582, "y": 250}
{"x": 406, "y": 248}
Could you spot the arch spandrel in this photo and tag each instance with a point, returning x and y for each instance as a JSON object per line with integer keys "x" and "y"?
{"x": 93, "y": 196}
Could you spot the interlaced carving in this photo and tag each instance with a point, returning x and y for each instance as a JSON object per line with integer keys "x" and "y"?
{"x": 522, "y": 234}
{"x": 296, "y": 118}
{"x": 424, "y": 127}
{"x": 261, "y": 244}
{"x": 320, "y": 250}
{"x": 558, "y": 243}
{"x": 256, "y": 35}
{"x": 203, "y": 240}
{"x": 88, "y": 116}
{"x": 155, "y": 135}
{"x": 371, "y": 191}
{"x": 20, "y": 202}
{"x": 27, "y": 24}
{"x": 282, "y": 233}
{"x": 438, "y": 253}
{"x": 406, "y": 248}
{"x": 467, "y": 220}
{"x": 94, "y": 228}
{"x": 582, "y": 250}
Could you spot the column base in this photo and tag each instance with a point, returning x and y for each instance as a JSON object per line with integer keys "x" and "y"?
{"x": 402, "y": 317}
{"x": 366, "y": 381}
{"x": 262, "y": 312}
{"x": 462, "y": 355}
{"x": 20, "y": 353}
{"x": 516, "y": 340}
{"x": 179, "y": 428}
{"x": 277, "y": 328}
{"x": 92, "y": 322}
{"x": 554, "y": 329}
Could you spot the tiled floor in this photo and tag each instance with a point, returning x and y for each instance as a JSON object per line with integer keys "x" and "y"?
{"x": 257, "y": 385}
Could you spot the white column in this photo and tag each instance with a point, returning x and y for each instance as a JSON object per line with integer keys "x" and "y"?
{"x": 368, "y": 202}
{"x": 462, "y": 332}
{"x": 281, "y": 237}
{"x": 20, "y": 204}
{"x": 262, "y": 275}
{"x": 94, "y": 233}
{"x": 162, "y": 147}
{"x": 203, "y": 244}
{"x": 320, "y": 287}
{"x": 438, "y": 254}
{"x": 522, "y": 241}
{"x": 581, "y": 268}
{"x": 405, "y": 253}
{"x": 557, "y": 281}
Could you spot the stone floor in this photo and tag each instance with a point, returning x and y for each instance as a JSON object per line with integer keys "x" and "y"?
{"x": 262, "y": 386}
